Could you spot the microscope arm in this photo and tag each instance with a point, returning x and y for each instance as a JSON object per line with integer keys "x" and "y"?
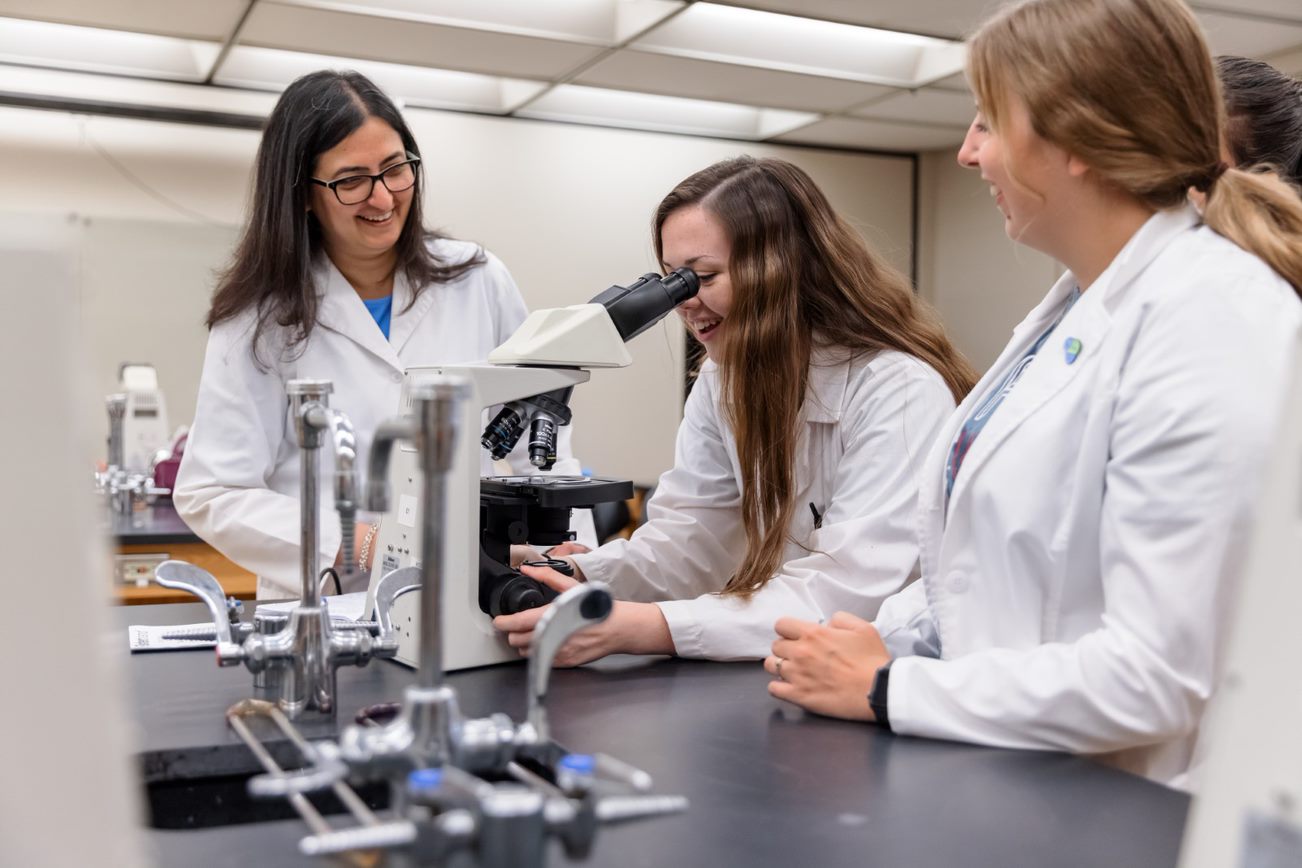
{"x": 389, "y": 432}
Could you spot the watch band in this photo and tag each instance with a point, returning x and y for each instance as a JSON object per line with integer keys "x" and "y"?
{"x": 879, "y": 693}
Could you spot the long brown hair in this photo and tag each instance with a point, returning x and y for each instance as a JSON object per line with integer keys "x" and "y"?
{"x": 800, "y": 274}
{"x": 1155, "y": 134}
{"x": 273, "y": 263}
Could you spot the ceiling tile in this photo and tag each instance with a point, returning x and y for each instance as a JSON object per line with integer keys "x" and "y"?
{"x": 619, "y": 108}
{"x": 107, "y": 88}
{"x": 606, "y": 22}
{"x": 927, "y": 105}
{"x": 1249, "y": 37}
{"x": 956, "y": 82}
{"x": 98, "y": 49}
{"x": 703, "y": 79}
{"x": 209, "y": 20}
{"x": 879, "y": 135}
{"x": 768, "y": 40}
{"x": 272, "y": 69}
{"x": 1289, "y": 10}
{"x": 949, "y": 19}
{"x": 274, "y": 25}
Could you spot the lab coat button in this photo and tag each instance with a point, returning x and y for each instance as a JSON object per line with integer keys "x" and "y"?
{"x": 956, "y": 583}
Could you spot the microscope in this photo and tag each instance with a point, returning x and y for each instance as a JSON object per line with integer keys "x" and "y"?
{"x": 529, "y": 380}
{"x": 487, "y": 788}
{"x": 144, "y": 416}
{"x": 137, "y": 430}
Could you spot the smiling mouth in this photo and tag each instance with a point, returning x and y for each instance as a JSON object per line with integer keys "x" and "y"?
{"x": 379, "y": 218}
{"x": 706, "y": 328}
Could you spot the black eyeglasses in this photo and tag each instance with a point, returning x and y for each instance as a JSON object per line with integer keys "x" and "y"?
{"x": 356, "y": 189}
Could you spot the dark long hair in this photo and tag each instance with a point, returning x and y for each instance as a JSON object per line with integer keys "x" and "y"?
{"x": 273, "y": 262}
{"x": 1265, "y": 115}
{"x": 800, "y": 274}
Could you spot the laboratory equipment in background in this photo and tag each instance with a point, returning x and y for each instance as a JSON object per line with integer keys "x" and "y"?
{"x": 294, "y": 656}
{"x": 1247, "y": 810}
{"x": 488, "y": 787}
{"x": 144, "y": 418}
{"x": 124, "y": 488}
{"x": 531, "y": 377}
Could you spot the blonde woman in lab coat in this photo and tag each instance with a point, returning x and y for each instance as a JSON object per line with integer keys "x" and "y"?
{"x": 1084, "y": 513}
{"x": 825, "y": 383}
{"x": 335, "y": 277}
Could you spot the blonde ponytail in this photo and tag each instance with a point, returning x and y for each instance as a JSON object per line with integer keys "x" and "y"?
{"x": 1262, "y": 214}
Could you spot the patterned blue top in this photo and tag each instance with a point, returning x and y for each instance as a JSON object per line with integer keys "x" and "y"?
{"x": 967, "y": 435}
{"x": 381, "y": 311}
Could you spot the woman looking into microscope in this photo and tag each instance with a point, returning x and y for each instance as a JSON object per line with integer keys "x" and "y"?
{"x": 335, "y": 277}
{"x": 794, "y": 482}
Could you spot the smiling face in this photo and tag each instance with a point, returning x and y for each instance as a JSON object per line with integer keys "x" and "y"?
{"x": 372, "y": 227}
{"x": 1034, "y": 195}
{"x": 694, "y": 237}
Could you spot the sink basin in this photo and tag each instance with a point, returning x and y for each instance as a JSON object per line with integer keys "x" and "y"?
{"x": 223, "y": 800}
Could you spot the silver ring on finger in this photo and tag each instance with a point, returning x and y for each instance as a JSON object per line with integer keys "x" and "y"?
{"x": 778, "y": 669}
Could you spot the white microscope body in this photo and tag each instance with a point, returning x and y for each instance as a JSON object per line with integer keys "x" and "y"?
{"x": 550, "y": 351}
{"x": 144, "y": 424}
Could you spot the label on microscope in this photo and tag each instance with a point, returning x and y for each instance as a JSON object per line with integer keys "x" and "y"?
{"x": 407, "y": 510}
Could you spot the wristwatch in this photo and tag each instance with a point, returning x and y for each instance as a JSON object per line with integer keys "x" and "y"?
{"x": 878, "y": 694}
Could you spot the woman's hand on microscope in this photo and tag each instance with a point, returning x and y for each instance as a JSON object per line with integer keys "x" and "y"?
{"x": 632, "y": 628}
{"x": 521, "y": 554}
{"x": 567, "y": 548}
{"x": 827, "y": 668}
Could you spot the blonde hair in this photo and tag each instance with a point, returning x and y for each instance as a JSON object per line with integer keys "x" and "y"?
{"x": 1153, "y": 135}
{"x": 800, "y": 274}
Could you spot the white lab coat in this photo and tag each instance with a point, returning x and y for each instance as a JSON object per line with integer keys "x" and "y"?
{"x": 1077, "y": 588}
{"x": 868, "y": 424}
{"x": 238, "y": 485}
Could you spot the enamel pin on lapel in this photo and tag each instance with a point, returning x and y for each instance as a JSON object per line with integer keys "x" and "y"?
{"x": 1071, "y": 349}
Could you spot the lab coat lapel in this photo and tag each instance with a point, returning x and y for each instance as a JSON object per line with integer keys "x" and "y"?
{"x": 1088, "y": 323}
{"x": 342, "y": 311}
{"x": 931, "y": 496}
{"x": 1047, "y": 375}
{"x": 828, "y": 378}
{"x": 405, "y": 320}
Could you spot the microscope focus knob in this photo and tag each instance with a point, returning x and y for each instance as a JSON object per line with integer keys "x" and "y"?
{"x": 518, "y": 594}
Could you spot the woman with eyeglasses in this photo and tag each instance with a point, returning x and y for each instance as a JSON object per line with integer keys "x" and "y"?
{"x": 335, "y": 277}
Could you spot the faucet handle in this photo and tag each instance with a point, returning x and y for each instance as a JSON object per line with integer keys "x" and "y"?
{"x": 387, "y": 591}
{"x": 581, "y": 606}
{"x": 181, "y": 576}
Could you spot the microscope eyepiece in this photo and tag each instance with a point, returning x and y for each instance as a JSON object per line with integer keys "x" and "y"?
{"x": 636, "y": 308}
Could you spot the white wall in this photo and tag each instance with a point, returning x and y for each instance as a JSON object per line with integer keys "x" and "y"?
{"x": 982, "y": 283}
{"x": 566, "y": 207}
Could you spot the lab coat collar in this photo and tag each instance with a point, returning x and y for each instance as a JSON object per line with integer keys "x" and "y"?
{"x": 1088, "y": 322}
{"x": 405, "y": 319}
{"x": 829, "y": 375}
{"x": 343, "y": 311}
